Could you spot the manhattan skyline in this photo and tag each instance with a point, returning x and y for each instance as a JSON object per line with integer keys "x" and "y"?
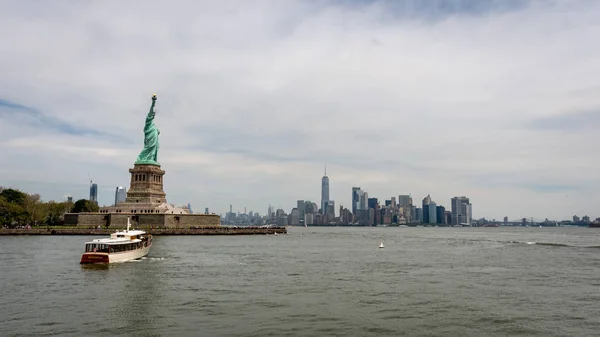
{"x": 396, "y": 97}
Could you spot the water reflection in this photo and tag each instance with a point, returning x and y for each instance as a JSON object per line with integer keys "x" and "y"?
{"x": 137, "y": 295}
{"x": 127, "y": 294}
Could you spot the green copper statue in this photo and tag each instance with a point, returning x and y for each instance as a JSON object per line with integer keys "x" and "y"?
{"x": 149, "y": 154}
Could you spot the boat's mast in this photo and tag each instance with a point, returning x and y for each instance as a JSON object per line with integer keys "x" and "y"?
{"x": 128, "y": 224}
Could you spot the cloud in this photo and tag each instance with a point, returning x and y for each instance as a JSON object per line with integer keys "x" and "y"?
{"x": 31, "y": 115}
{"x": 578, "y": 121}
{"x": 421, "y": 97}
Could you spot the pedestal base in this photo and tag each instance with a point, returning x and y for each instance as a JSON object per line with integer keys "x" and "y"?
{"x": 146, "y": 185}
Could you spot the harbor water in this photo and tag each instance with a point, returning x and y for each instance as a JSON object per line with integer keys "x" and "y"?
{"x": 331, "y": 281}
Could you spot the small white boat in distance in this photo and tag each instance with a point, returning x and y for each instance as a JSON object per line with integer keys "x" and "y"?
{"x": 381, "y": 245}
{"x": 120, "y": 247}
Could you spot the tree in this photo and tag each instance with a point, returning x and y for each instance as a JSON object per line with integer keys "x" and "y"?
{"x": 84, "y": 205}
{"x": 34, "y": 209}
{"x": 54, "y": 213}
{"x": 14, "y": 196}
{"x": 11, "y": 214}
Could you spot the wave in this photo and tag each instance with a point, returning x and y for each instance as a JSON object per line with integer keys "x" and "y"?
{"x": 552, "y": 244}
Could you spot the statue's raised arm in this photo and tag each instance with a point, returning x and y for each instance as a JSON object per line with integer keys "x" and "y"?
{"x": 152, "y": 111}
{"x": 149, "y": 154}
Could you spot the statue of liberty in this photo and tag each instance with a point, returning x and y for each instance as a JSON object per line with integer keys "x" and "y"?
{"x": 149, "y": 154}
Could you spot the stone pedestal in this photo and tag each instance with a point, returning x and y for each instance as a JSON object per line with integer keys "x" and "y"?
{"x": 146, "y": 185}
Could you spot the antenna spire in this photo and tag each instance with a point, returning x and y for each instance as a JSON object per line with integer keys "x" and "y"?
{"x": 326, "y": 170}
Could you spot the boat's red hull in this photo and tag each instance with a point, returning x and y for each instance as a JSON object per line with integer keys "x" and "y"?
{"x": 87, "y": 258}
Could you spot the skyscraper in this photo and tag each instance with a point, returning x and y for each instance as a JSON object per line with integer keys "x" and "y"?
{"x": 301, "y": 210}
{"x": 432, "y": 209}
{"x": 364, "y": 201}
{"x": 406, "y": 207}
{"x": 356, "y": 194}
{"x": 120, "y": 194}
{"x": 441, "y": 215}
{"x": 461, "y": 211}
{"x": 426, "y": 202}
{"x": 94, "y": 193}
{"x": 330, "y": 209}
{"x": 324, "y": 192}
{"x": 404, "y": 200}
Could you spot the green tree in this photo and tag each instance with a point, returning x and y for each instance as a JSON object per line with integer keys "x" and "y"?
{"x": 84, "y": 205}
{"x": 12, "y": 214}
{"x": 53, "y": 213}
{"x": 14, "y": 196}
{"x": 35, "y": 209}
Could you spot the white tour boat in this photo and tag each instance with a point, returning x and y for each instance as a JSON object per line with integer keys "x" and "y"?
{"x": 120, "y": 247}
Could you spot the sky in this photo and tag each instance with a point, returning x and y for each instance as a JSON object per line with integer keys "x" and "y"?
{"x": 498, "y": 101}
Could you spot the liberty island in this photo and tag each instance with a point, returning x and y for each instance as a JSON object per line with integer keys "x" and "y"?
{"x": 145, "y": 205}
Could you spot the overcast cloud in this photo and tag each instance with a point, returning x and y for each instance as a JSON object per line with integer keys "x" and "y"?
{"x": 495, "y": 100}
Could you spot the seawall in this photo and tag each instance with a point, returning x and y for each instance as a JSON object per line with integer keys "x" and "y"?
{"x": 162, "y": 231}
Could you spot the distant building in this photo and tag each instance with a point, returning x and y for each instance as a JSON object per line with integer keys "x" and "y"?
{"x": 295, "y": 217}
{"x": 404, "y": 200}
{"x": 120, "y": 194}
{"x": 467, "y": 214}
{"x": 324, "y": 192}
{"x": 309, "y": 218}
{"x": 301, "y": 210}
{"x": 94, "y": 192}
{"x": 356, "y": 194}
{"x": 372, "y": 203}
{"x": 448, "y": 217}
{"x": 432, "y": 212}
{"x": 461, "y": 210}
{"x": 364, "y": 201}
{"x": 419, "y": 214}
{"x": 441, "y": 215}
{"x": 425, "y": 207}
{"x": 413, "y": 214}
{"x": 330, "y": 210}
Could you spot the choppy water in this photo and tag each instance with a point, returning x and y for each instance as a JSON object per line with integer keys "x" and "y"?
{"x": 312, "y": 282}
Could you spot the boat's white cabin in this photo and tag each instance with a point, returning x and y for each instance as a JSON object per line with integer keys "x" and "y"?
{"x": 118, "y": 238}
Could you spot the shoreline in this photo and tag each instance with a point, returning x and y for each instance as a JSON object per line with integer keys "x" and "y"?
{"x": 157, "y": 232}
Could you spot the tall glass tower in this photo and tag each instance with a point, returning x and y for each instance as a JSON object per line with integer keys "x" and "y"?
{"x": 324, "y": 192}
{"x": 120, "y": 194}
{"x": 94, "y": 193}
